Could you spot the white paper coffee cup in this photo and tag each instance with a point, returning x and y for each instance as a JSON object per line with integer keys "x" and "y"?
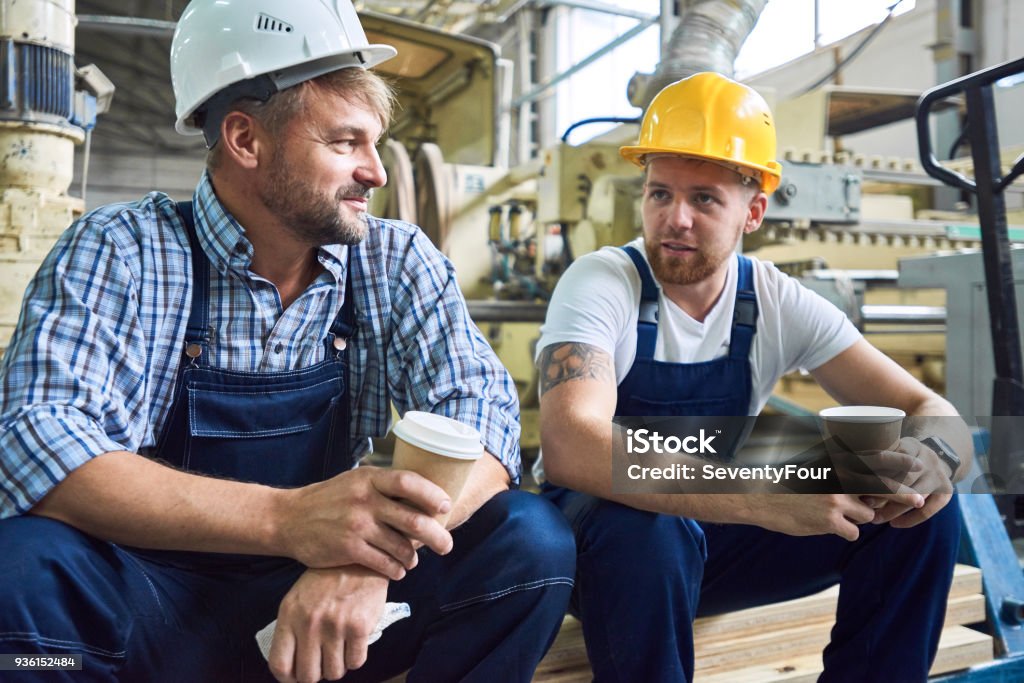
{"x": 862, "y": 428}
{"x": 437, "y": 447}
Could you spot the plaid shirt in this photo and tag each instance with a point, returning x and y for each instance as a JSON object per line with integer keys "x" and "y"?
{"x": 92, "y": 365}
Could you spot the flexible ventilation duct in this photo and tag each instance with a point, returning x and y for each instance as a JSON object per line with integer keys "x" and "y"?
{"x": 708, "y": 38}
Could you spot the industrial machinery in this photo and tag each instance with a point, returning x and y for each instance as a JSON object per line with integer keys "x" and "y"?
{"x": 47, "y": 106}
{"x": 840, "y": 221}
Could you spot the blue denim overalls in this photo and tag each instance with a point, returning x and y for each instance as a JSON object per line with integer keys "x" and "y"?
{"x": 716, "y": 387}
{"x": 643, "y": 577}
{"x": 487, "y": 611}
{"x": 287, "y": 428}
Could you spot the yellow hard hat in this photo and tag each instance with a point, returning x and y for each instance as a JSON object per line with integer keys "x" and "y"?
{"x": 709, "y": 116}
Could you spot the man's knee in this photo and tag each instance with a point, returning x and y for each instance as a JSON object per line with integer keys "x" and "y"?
{"x": 649, "y": 542}
{"x": 937, "y": 537}
{"x": 943, "y": 529}
{"x": 59, "y": 590}
{"x": 41, "y": 551}
{"x": 529, "y": 529}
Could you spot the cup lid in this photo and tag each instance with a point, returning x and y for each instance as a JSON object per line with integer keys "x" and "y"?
{"x": 439, "y": 434}
{"x": 862, "y": 414}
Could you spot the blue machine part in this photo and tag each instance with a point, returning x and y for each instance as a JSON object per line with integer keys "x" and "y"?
{"x": 36, "y": 83}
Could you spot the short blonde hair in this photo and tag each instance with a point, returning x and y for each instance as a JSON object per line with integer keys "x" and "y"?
{"x": 352, "y": 84}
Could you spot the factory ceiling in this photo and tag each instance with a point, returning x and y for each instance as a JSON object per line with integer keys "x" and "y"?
{"x": 130, "y": 40}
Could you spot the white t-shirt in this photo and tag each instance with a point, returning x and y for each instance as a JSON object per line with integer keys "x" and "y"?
{"x": 597, "y": 301}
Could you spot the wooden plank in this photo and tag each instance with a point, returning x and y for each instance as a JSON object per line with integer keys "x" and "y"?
{"x": 754, "y": 637}
{"x": 792, "y": 641}
{"x": 961, "y": 610}
{"x": 966, "y": 580}
{"x": 567, "y": 650}
{"x": 766, "y": 646}
{"x": 959, "y": 648}
{"x": 568, "y": 655}
{"x": 967, "y": 609}
{"x": 575, "y": 676}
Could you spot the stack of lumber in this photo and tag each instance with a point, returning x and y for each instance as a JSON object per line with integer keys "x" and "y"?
{"x": 782, "y": 643}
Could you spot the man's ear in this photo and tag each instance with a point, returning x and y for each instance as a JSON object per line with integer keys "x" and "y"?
{"x": 243, "y": 138}
{"x": 755, "y": 212}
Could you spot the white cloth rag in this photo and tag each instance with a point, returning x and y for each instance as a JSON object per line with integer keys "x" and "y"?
{"x": 393, "y": 611}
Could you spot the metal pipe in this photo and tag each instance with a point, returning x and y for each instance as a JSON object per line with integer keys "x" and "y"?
{"x": 138, "y": 26}
{"x": 708, "y": 38}
{"x": 817, "y": 24}
{"x": 482, "y": 311}
{"x": 554, "y": 24}
{"x": 880, "y": 314}
{"x": 901, "y": 330}
{"x": 593, "y": 57}
{"x": 525, "y": 68}
{"x": 502, "y": 116}
{"x": 506, "y": 311}
{"x": 667, "y": 24}
{"x": 872, "y": 277}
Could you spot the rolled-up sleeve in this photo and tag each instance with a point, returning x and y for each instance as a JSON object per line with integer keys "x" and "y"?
{"x": 440, "y": 362}
{"x": 73, "y": 379}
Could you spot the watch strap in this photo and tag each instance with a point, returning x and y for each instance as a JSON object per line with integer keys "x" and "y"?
{"x": 944, "y": 451}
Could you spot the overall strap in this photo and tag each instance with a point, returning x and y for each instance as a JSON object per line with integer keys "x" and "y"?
{"x": 198, "y": 329}
{"x": 647, "y": 323}
{"x": 744, "y": 315}
{"x": 344, "y": 326}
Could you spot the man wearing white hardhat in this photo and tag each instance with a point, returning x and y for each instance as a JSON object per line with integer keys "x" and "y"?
{"x": 677, "y": 324}
{"x": 191, "y": 387}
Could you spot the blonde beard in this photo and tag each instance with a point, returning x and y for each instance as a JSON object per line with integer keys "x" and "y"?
{"x": 700, "y": 268}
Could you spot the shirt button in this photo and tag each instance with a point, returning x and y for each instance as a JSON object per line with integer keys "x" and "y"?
{"x": 279, "y": 348}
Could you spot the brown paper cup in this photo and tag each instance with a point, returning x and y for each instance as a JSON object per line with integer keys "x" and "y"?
{"x": 438, "y": 448}
{"x": 861, "y": 428}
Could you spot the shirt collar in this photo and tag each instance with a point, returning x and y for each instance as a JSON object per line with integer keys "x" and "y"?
{"x": 220, "y": 235}
{"x": 334, "y": 257}
{"x": 224, "y": 241}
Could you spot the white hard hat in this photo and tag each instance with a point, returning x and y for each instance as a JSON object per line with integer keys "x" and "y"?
{"x": 270, "y": 44}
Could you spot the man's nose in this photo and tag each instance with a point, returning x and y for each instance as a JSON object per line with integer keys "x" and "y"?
{"x": 371, "y": 173}
{"x": 680, "y": 215}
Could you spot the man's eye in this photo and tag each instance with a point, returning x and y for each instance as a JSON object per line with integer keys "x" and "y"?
{"x": 703, "y": 198}
{"x": 658, "y": 195}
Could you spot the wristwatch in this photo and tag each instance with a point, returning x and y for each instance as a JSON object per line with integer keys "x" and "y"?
{"x": 944, "y": 451}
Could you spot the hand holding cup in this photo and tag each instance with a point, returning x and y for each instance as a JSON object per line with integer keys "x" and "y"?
{"x": 864, "y": 442}
{"x": 438, "y": 448}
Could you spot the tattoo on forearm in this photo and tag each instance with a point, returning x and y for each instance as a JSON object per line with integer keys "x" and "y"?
{"x": 560, "y": 363}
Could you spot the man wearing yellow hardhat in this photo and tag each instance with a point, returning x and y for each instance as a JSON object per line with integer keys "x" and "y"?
{"x": 191, "y": 386}
{"x": 677, "y": 324}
